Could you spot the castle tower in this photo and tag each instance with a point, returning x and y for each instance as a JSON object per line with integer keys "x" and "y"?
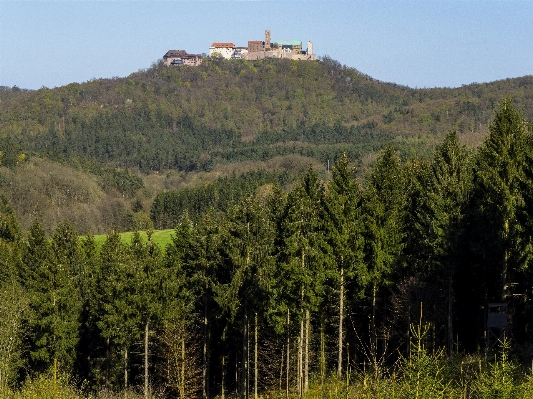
{"x": 267, "y": 39}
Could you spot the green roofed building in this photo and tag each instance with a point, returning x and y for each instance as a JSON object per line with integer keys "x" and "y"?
{"x": 295, "y": 46}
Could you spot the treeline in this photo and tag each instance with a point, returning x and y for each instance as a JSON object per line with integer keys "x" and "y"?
{"x": 169, "y": 207}
{"x": 285, "y": 289}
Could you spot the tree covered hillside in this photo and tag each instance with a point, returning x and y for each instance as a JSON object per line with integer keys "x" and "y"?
{"x": 224, "y": 115}
{"x": 191, "y": 118}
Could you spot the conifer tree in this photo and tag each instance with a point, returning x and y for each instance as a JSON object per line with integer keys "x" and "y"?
{"x": 383, "y": 210}
{"x": 436, "y": 208}
{"x": 303, "y": 262}
{"x": 89, "y": 363}
{"x": 150, "y": 298}
{"x": 525, "y": 217}
{"x": 344, "y": 228}
{"x": 119, "y": 319}
{"x": 55, "y": 300}
{"x": 182, "y": 351}
{"x": 247, "y": 247}
{"x": 498, "y": 248}
{"x": 200, "y": 256}
{"x": 498, "y": 198}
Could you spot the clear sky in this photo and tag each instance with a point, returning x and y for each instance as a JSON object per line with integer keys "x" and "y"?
{"x": 418, "y": 43}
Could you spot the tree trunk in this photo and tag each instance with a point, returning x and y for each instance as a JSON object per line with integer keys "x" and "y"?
{"x": 125, "y": 372}
{"x": 146, "y": 331}
{"x": 505, "y": 262}
{"x": 223, "y": 387}
{"x": 374, "y": 334}
{"x": 322, "y": 352}
{"x": 306, "y": 368}
{"x": 108, "y": 366}
{"x": 347, "y": 363}
{"x": 341, "y": 321}
{"x": 281, "y": 368}
{"x": 182, "y": 380}
{"x": 288, "y": 352}
{"x": 450, "y": 319}
{"x": 204, "y": 368}
{"x": 244, "y": 369}
{"x": 256, "y": 373}
{"x": 300, "y": 356}
{"x": 374, "y": 344}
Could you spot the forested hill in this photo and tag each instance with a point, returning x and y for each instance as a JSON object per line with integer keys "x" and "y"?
{"x": 192, "y": 118}
{"x": 224, "y": 113}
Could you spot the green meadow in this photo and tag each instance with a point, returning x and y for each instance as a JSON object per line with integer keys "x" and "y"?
{"x": 161, "y": 237}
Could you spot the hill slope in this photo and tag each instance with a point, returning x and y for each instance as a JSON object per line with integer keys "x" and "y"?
{"x": 221, "y": 117}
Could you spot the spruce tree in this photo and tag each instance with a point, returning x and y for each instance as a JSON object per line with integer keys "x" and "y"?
{"x": 55, "y": 299}
{"x": 498, "y": 244}
{"x": 303, "y": 263}
{"x": 498, "y": 198}
{"x": 200, "y": 256}
{"x": 179, "y": 338}
{"x": 91, "y": 348}
{"x": 118, "y": 316}
{"x": 525, "y": 217}
{"x": 247, "y": 246}
{"x": 436, "y": 207}
{"x": 383, "y": 216}
{"x": 344, "y": 234}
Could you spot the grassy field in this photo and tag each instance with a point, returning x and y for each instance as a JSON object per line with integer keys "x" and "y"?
{"x": 160, "y": 237}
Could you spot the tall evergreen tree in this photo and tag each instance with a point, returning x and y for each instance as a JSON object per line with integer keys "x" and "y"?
{"x": 344, "y": 227}
{"x": 303, "y": 262}
{"x": 184, "y": 373}
{"x": 201, "y": 260}
{"x": 436, "y": 208}
{"x": 150, "y": 298}
{"x": 119, "y": 319}
{"x": 90, "y": 365}
{"x": 525, "y": 217}
{"x": 383, "y": 215}
{"x": 499, "y": 248}
{"x": 248, "y": 248}
{"x": 55, "y": 299}
{"x": 498, "y": 198}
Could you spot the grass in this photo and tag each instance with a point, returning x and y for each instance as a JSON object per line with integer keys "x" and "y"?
{"x": 161, "y": 237}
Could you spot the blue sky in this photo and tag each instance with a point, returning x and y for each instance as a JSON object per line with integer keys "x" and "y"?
{"x": 418, "y": 43}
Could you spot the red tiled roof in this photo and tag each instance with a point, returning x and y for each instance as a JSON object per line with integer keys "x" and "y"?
{"x": 223, "y": 44}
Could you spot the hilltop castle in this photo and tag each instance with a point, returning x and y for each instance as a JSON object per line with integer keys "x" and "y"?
{"x": 256, "y": 50}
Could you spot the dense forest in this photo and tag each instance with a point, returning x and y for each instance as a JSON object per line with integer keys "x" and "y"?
{"x": 103, "y": 147}
{"x": 372, "y": 285}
